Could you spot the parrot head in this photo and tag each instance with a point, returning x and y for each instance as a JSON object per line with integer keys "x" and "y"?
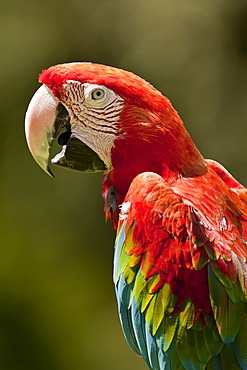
{"x": 106, "y": 118}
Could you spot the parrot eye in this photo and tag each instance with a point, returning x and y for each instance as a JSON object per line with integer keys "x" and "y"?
{"x": 98, "y": 94}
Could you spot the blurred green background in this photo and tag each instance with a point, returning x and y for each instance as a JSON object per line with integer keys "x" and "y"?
{"x": 57, "y": 303}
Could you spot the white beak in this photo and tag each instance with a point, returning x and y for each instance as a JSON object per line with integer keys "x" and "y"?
{"x": 39, "y": 125}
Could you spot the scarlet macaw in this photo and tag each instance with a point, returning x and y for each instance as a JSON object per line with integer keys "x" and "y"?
{"x": 180, "y": 267}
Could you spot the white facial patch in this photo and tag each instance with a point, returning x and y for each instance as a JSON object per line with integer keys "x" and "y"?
{"x": 94, "y": 111}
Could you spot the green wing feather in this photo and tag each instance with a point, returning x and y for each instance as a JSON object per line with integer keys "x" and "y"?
{"x": 228, "y": 315}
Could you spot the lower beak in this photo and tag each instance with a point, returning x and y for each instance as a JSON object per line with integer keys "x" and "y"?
{"x": 47, "y": 119}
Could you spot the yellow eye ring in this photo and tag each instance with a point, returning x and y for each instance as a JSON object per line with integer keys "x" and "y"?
{"x": 98, "y": 94}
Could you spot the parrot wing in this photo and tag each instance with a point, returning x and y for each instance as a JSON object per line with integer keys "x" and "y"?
{"x": 180, "y": 274}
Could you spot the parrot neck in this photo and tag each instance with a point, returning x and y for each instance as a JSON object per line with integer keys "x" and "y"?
{"x": 162, "y": 146}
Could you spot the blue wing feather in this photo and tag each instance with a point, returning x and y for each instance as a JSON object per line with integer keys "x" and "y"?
{"x": 123, "y": 293}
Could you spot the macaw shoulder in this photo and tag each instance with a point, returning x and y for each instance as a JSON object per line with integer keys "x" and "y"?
{"x": 213, "y": 205}
{"x": 214, "y": 191}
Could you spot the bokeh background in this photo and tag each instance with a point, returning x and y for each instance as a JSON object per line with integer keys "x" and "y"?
{"x": 57, "y": 304}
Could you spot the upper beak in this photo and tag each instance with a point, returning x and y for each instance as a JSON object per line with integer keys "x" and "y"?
{"x": 39, "y": 125}
{"x": 45, "y": 118}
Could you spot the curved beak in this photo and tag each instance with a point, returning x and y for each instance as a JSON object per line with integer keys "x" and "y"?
{"x": 46, "y": 118}
{"x": 39, "y": 126}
